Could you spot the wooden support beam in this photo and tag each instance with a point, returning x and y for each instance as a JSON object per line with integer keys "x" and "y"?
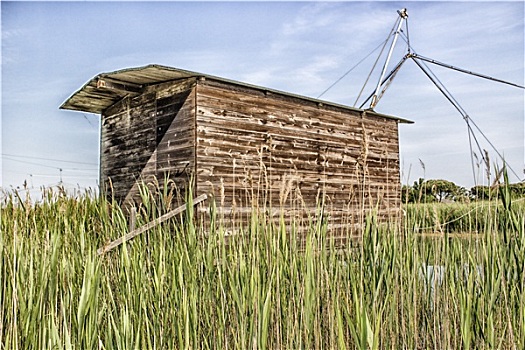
{"x": 105, "y": 83}
{"x": 148, "y": 226}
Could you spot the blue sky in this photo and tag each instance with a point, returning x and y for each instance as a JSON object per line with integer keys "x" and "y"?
{"x": 50, "y": 49}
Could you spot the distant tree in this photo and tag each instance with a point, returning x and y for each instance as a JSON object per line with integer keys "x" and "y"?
{"x": 462, "y": 194}
{"x": 422, "y": 192}
{"x": 480, "y": 192}
{"x": 433, "y": 191}
{"x": 408, "y": 195}
{"x": 444, "y": 189}
{"x": 417, "y": 193}
{"x": 517, "y": 189}
{"x": 441, "y": 190}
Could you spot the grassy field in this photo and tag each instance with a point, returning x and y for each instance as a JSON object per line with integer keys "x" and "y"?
{"x": 413, "y": 285}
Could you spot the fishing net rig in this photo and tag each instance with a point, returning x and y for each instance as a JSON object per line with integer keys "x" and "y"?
{"x": 385, "y": 80}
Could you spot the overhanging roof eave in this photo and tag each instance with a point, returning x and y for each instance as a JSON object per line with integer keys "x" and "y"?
{"x": 92, "y": 98}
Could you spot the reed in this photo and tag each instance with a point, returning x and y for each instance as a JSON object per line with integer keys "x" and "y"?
{"x": 186, "y": 284}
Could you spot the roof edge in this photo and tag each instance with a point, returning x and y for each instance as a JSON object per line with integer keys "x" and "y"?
{"x": 85, "y": 101}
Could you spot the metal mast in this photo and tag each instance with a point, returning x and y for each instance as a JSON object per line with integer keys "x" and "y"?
{"x": 402, "y": 17}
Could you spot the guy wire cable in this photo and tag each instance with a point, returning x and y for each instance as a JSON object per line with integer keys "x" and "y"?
{"x": 390, "y": 75}
{"x": 466, "y": 117}
{"x": 460, "y": 109}
{"x": 392, "y": 31}
{"x": 351, "y": 69}
{"x": 428, "y": 72}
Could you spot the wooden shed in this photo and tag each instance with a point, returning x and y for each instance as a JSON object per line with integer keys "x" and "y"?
{"x": 246, "y": 145}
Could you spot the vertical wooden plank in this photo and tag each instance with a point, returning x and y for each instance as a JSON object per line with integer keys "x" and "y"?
{"x": 195, "y": 173}
{"x": 132, "y": 218}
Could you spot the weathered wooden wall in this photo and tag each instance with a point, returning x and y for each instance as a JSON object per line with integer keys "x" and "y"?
{"x": 147, "y": 137}
{"x": 250, "y": 148}
{"x": 256, "y": 149}
{"x": 127, "y": 144}
{"x": 176, "y": 133}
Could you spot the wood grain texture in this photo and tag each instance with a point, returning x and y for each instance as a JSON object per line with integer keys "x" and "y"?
{"x": 253, "y": 150}
{"x": 249, "y": 140}
{"x": 150, "y": 139}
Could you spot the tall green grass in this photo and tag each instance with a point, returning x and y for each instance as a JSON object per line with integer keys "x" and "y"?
{"x": 181, "y": 286}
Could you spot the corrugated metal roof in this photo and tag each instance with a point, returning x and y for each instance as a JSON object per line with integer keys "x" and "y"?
{"x": 95, "y": 97}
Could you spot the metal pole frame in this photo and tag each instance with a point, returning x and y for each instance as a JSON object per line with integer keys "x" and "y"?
{"x": 402, "y": 16}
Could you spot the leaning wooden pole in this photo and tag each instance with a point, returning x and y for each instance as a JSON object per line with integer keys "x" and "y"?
{"x": 148, "y": 226}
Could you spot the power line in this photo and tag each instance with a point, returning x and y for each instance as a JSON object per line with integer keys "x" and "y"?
{"x": 90, "y": 123}
{"x": 66, "y": 176}
{"x": 50, "y": 159}
{"x": 26, "y": 162}
{"x": 44, "y": 165}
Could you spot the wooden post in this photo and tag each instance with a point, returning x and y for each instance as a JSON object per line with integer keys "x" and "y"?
{"x": 132, "y": 219}
{"x": 149, "y": 225}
